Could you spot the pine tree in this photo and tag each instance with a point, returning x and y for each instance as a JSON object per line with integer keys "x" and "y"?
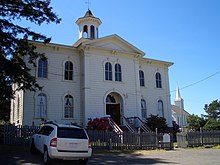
{"x": 15, "y": 45}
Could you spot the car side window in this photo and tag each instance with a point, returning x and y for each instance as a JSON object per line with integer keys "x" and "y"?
{"x": 42, "y": 130}
{"x": 46, "y": 130}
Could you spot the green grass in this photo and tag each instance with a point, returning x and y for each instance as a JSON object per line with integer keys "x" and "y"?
{"x": 216, "y": 147}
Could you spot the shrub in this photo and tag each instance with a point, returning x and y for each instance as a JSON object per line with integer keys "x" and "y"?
{"x": 99, "y": 124}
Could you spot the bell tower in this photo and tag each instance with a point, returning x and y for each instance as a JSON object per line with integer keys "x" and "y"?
{"x": 88, "y": 26}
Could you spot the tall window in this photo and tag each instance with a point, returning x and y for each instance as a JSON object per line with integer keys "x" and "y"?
{"x": 160, "y": 108}
{"x": 92, "y": 30}
{"x": 108, "y": 71}
{"x": 68, "y": 106}
{"x": 143, "y": 109}
{"x": 68, "y": 75}
{"x": 158, "y": 80}
{"x": 118, "y": 72}
{"x": 18, "y": 108}
{"x": 141, "y": 77}
{"x": 42, "y": 68}
{"x": 13, "y": 118}
{"x": 41, "y": 106}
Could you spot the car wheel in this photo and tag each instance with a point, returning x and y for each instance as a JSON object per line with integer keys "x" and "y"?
{"x": 33, "y": 149}
{"x": 46, "y": 158}
{"x": 83, "y": 161}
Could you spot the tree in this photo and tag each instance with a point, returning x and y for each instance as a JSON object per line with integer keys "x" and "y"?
{"x": 195, "y": 122}
{"x": 213, "y": 110}
{"x": 15, "y": 45}
{"x": 154, "y": 121}
{"x": 212, "y": 124}
{"x": 176, "y": 127}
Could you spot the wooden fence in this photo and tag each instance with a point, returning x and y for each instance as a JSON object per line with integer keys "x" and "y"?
{"x": 20, "y": 135}
{"x": 199, "y": 138}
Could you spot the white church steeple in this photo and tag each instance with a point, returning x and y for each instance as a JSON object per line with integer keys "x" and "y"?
{"x": 178, "y": 100}
{"x": 88, "y": 26}
{"x": 178, "y": 97}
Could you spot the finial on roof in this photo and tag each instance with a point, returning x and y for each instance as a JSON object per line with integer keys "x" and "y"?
{"x": 88, "y": 3}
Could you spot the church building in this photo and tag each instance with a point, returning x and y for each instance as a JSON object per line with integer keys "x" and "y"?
{"x": 179, "y": 114}
{"x": 93, "y": 78}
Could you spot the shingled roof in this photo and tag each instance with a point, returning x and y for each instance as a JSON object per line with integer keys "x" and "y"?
{"x": 88, "y": 13}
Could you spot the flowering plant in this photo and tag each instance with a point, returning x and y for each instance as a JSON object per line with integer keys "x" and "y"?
{"x": 99, "y": 124}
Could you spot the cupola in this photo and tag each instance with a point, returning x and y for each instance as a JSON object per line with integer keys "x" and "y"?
{"x": 88, "y": 26}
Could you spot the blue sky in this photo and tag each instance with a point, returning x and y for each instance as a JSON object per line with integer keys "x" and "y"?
{"x": 186, "y": 32}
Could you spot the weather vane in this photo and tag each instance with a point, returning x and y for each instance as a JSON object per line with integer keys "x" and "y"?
{"x": 88, "y": 3}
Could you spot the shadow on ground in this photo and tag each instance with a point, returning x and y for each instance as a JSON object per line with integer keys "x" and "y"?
{"x": 127, "y": 158}
{"x": 17, "y": 156}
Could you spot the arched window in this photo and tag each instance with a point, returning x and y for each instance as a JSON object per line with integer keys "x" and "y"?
{"x": 141, "y": 77}
{"x": 92, "y": 32}
{"x": 68, "y": 106}
{"x": 160, "y": 108}
{"x": 118, "y": 72}
{"x": 41, "y": 106}
{"x": 68, "y": 75}
{"x": 110, "y": 99}
{"x": 85, "y": 32}
{"x": 158, "y": 80}
{"x": 42, "y": 68}
{"x": 143, "y": 109}
{"x": 108, "y": 71}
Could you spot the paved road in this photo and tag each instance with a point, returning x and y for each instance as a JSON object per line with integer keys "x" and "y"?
{"x": 174, "y": 157}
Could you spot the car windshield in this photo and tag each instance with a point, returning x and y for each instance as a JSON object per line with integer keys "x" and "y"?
{"x": 71, "y": 133}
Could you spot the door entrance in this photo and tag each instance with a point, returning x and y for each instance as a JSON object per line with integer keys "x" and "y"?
{"x": 114, "y": 111}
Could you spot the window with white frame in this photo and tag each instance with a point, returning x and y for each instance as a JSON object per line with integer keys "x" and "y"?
{"x": 143, "y": 109}
{"x": 118, "y": 73}
{"x": 141, "y": 78}
{"x": 41, "y": 106}
{"x": 68, "y": 106}
{"x": 108, "y": 71}
{"x": 42, "y": 68}
{"x": 68, "y": 75}
{"x": 158, "y": 80}
{"x": 160, "y": 108}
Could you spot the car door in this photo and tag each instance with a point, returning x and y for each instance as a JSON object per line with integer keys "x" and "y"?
{"x": 38, "y": 138}
{"x": 44, "y": 137}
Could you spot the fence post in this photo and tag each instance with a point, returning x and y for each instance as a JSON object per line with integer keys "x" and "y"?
{"x": 139, "y": 137}
{"x": 201, "y": 135}
{"x": 156, "y": 138}
{"x": 110, "y": 144}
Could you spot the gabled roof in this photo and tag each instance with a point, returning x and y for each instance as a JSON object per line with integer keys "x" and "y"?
{"x": 179, "y": 111}
{"x": 113, "y": 42}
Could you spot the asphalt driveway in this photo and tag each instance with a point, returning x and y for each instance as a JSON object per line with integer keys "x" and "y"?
{"x": 176, "y": 157}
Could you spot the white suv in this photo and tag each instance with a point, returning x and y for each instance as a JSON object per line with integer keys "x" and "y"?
{"x": 59, "y": 141}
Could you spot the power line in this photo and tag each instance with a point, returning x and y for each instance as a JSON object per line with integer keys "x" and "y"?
{"x": 197, "y": 82}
